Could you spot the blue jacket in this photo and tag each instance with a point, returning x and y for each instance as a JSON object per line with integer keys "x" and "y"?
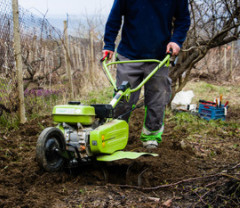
{"x": 147, "y": 27}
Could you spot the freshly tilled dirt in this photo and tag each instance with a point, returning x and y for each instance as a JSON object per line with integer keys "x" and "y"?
{"x": 24, "y": 184}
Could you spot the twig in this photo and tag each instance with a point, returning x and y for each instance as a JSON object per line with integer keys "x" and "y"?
{"x": 182, "y": 181}
{"x": 128, "y": 172}
{"x": 210, "y": 184}
{"x": 205, "y": 194}
{"x": 200, "y": 197}
{"x": 236, "y": 166}
{"x": 169, "y": 185}
{"x": 189, "y": 49}
{"x": 224, "y": 174}
{"x": 140, "y": 177}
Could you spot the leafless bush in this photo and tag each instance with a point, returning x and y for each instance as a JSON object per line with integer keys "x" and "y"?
{"x": 220, "y": 64}
{"x": 214, "y": 24}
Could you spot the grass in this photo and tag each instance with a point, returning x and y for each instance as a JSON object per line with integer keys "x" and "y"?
{"x": 41, "y": 103}
{"x": 102, "y": 96}
{"x": 37, "y": 106}
{"x": 192, "y": 125}
{"x": 9, "y": 121}
{"x": 206, "y": 91}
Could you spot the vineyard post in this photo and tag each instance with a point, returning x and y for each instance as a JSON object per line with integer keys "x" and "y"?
{"x": 80, "y": 58}
{"x": 231, "y": 61}
{"x": 225, "y": 58}
{"x": 18, "y": 58}
{"x": 67, "y": 58}
{"x": 6, "y": 59}
{"x": 72, "y": 53}
{"x": 91, "y": 57}
{"x": 76, "y": 57}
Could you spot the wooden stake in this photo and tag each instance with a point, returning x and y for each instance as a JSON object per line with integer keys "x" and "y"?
{"x": 18, "y": 58}
{"x": 80, "y": 58}
{"x": 231, "y": 61}
{"x": 6, "y": 59}
{"x": 67, "y": 58}
{"x": 91, "y": 56}
{"x": 225, "y": 58}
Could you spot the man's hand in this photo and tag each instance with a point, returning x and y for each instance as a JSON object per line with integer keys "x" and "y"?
{"x": 175, "y": 48}
{"x": 110, "y": 53}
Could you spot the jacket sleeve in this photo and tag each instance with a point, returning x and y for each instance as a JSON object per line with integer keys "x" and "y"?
{"x": 113, "y": 24}
{"x": 182, "y": 22}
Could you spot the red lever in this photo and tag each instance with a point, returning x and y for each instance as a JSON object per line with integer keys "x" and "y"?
{"x": 106, "y": 55}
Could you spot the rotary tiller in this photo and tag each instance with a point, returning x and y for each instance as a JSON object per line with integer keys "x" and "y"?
{"x": 86, "y": 133}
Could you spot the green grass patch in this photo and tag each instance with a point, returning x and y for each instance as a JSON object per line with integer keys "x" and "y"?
{"x": 35, "y": 106}
{"x": 40, "y": 105}
{"x": 102, "y": 96}
{"x": 193, "y": 125}
{"x": 9, "y": 121}
{"x": 206, "y": 91}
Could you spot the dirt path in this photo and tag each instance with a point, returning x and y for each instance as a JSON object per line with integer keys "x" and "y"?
{"x": 24, "y": 184}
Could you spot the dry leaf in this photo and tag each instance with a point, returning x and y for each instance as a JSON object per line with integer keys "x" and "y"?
{"x": 154, "y": 199}
{"x": 167, "y": 203}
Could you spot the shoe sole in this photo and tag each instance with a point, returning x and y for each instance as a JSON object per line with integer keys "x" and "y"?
{"x": 151, "y": 146}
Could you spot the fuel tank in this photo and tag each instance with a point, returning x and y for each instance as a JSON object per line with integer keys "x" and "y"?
{"x": 109, "y": 137}
{"x": 73, "y": 114}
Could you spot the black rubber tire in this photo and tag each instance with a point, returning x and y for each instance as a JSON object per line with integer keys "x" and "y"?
{"x": 46, "y": 156}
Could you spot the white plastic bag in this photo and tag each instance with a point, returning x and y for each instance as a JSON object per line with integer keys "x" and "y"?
{"x": 182, "y": 99}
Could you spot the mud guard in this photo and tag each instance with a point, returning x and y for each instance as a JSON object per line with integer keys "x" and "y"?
{"x": 123, "y": 155}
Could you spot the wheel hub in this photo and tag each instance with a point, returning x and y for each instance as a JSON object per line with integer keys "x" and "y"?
{"x": 51, "y": 154}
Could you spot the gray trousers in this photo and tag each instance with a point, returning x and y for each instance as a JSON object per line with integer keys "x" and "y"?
{"x": 157, "y": 91}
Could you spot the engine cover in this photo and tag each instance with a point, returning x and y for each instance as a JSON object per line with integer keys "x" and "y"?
{"x": 73, "y": 114}
{"x": 109, "y": 137}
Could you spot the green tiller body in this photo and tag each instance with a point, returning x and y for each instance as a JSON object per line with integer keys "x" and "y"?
{"x": 86, "y": 133}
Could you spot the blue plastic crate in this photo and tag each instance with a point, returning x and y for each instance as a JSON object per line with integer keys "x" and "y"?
{"x": 210, "y": 112}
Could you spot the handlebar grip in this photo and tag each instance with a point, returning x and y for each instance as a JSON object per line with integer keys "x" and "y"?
{"x": 106, "y": 55}
{"x": 170, "y": 52}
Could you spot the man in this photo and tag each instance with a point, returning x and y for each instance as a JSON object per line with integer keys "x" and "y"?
{"x": 147, "y": 33}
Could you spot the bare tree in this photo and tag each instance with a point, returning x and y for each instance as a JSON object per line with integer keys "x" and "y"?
{"x": 214, "y": 23}
{"x": 36, "y": 62}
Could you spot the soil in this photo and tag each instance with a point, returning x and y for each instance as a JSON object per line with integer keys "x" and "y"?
{"x": 124, "y": 183}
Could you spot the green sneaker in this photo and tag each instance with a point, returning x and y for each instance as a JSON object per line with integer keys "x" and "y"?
{"x": 147, "y": 135}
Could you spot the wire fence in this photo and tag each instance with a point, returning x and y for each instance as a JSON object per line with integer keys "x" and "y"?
{"x": 36, "y": 34}
{"x": 44, "y": 44}
{"x": 44, "y": 55}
